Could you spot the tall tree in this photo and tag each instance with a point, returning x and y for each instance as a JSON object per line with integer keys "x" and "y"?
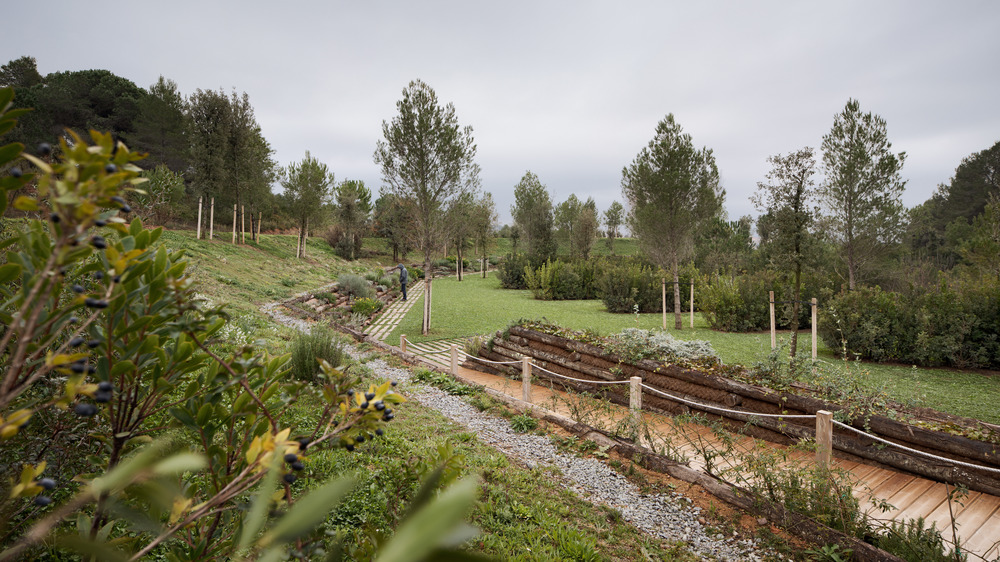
{"x": 308, "y": 189}
{"x": 723, "y": 245}
{"x": 788, "y": 199}
{"x": 585, "y": 229}
{"x": 428, "y": 158}
{"x": 614, "y": 217}
{"x": 353, "y": 210}
{"x": 566, "y": 216}
{"x": 534, "y": 218}
{"x": 670, "y": 187}
{"x": 20, "y": 73}
{"x": 461, "y": 228}
{"x": 862, "y": 188}
{"x": 393, "y": 222}
{"x": 484, "y": 220}
{"x": 161, "y": 127}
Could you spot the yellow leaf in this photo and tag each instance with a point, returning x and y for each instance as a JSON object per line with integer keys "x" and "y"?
{"x": 181, "y": 506}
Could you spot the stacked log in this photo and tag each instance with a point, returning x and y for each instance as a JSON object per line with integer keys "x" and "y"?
{"x": 585, "y": 361}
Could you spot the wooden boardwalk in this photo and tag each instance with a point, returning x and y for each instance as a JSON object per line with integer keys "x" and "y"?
{"x": 977, "y": 515}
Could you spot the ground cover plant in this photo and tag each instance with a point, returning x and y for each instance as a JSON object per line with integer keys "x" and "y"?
{"x": 458, "y": 309}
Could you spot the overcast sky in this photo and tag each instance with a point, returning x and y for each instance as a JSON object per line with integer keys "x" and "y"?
{"x": 570, "y": 90}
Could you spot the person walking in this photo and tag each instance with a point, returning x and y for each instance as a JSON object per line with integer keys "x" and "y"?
{"x": 403, "y": 278}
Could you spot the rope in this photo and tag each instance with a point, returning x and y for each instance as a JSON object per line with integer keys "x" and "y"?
{"x": 478, "y": 358}
{"x": 915, "y": 451}
{"x": 717, "y": 409}
{"x": 577, "y": 380}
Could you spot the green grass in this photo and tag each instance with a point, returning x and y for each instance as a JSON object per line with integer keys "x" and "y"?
{"x": 479, "y": 306}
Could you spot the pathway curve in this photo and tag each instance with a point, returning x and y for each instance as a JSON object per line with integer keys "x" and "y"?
{"x": 394, "y": 313}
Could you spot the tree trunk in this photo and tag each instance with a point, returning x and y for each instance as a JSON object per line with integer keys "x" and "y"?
{"x": 677, "y": 297}
{"x": 426, "y": 325}
{"x": 461, "y": 270}
{"x": 795, "y": 311}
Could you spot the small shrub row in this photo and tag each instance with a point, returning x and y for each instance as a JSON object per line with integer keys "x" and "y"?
{"x": 559, "y": 280}
{"x": 942, "y": 326}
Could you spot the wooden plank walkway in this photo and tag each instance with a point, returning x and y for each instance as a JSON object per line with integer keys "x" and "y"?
{"x": 977, "y": 516}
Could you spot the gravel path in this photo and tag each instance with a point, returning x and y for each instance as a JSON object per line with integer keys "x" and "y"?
{"x": 670, "y": 517}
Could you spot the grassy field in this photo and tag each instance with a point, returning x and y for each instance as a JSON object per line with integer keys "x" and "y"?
{"x": 479, "y": 306}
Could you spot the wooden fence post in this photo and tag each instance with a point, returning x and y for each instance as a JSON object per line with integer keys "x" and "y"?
{"x": 243, "y": 224}
{"x": 454, "y": 359}
{"x": 664, "y": 303}
{"x": 402, "y": 342}
{"x": 198, "y": 235}
{"x": 774, "y": 338}
{"x": 526, "y": 379}
{"x": 211, "y": 220}
{"x": 260, "y": 219}
{"x": 635, "y": 401}
{"x": 824, "y": 438}
{"x": 813, "y": 304}
{"x": 692, "y": 303}
{"x": 234, "y": 223}
{"x": 298, "y": 243}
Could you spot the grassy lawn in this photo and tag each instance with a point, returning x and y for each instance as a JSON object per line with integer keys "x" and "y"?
{"x": 479, "y": 306}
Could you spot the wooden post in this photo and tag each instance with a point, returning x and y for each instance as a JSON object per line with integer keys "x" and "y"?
{"x": 458, "y": 269}
{"x": 198, "y": 235}
{"x": 260, "y": 219}
{"x": 211, "y": 221}
{"x": 305, "y": 237}
{"x": 824, "y": 438}
{"x": 234, "y": 223}
{"x": 526, "y": 379}
{"x": 402, "y": 342}
{"x": 814, "y": 305}
{"x": 243, "y": 224}
{"x": 298, "y": 243}
{"x": 692, "y": 303}
{"x": 664, "y": 303}
{"x": 635, "y": 401}
{"x": 454, "y": 359}
{"x": 774, "y": 335}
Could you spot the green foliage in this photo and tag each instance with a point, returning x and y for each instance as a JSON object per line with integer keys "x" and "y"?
{"x": 830, "y": 553}
{"x": 306, "y": 349}
{"x": 523, "y": 423}
{"x": 626, "y": 284}
{"x": 534, "y": 220}
{"x": 912, "y": 541}
{"x": 737, "y": 304}
{"x": 443, "y": 381}
{"x": 161, "y": 196}
{"x": 355, "y": 285}
{"x": 945, "y": 325}
{"x": 559, "y": 280}
{"x": 632, "y": 345}
{"x": 366, "y": 306}
{"x": 511, "y": 271}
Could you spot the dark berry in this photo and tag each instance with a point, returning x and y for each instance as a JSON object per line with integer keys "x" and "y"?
{"x": 364, "y": 405}
{"x": 98, "y": 242}
{"x": 93, "y": 343}
{"x": 291, "y": 457}
{"x": 85, "y": 410}
{"x": 78, "y": 288}
{"x": 16, "y": 172}
{"x": 110, "y": 168}
{"x": 387, "y": 417}
{"x": 98, "y": 275}
{"x": 73, "y": 319}
{"x": 105, "y": 386}
{"x": 54, "y": 217}
{"x": 42, "y": 500}
{"x": 95, "y": 303}
{"x": 47, "y": 483}
{"x": 388, "y": 411}
{"x": 118, "y": 200}
{"x": 304, "y": 442}
{"x": 126, "y": 209}
{"x": 349, "y": 447}
{"x": 297, "y": 465}
{"x": 77, "y": 367}
{"x": 360, "y": 438}
{"x": 379, "y": 406}
{"x": 91, "y": 369}
{"x": 290, "y": 478}
{"x": 117, "y": 278}
{"x": 45, "y": 149}
{"x": 370, "y": 396}
{"x": 76, "y": 342}
{"x": 62, "y": 271}
{"x": 379, "y": 432}
{"x": 394, "y": 383}
{"x": 102, "y": 397}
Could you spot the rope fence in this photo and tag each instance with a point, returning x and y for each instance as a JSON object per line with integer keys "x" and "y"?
{"x": 824, "y": 419}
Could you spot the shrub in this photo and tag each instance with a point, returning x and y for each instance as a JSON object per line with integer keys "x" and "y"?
{"x": 559, "y": 280}
{"x": 366, "y": 306}
{"x": 511, "y": 271}
{"x": 737, "y": 304}
{"x": 625, "y": 284}
{"x": 523, "y": 423}
{"x": 319, "y": 343}
{"x": 355, "y": 286}
{"x": 634, "y": 344}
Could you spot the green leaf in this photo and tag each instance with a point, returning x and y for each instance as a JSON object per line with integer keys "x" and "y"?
{"x": 25, "y": 203}
{"x": 6, "y": 96}
{"x": 10, "y": 271}
{"x": 122, "y": 367}
{"x": 309, "y": 511}
{"x": 430, "y": 527}
{"x": 180, "y": 463}
{"x": 10, "y": 151}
